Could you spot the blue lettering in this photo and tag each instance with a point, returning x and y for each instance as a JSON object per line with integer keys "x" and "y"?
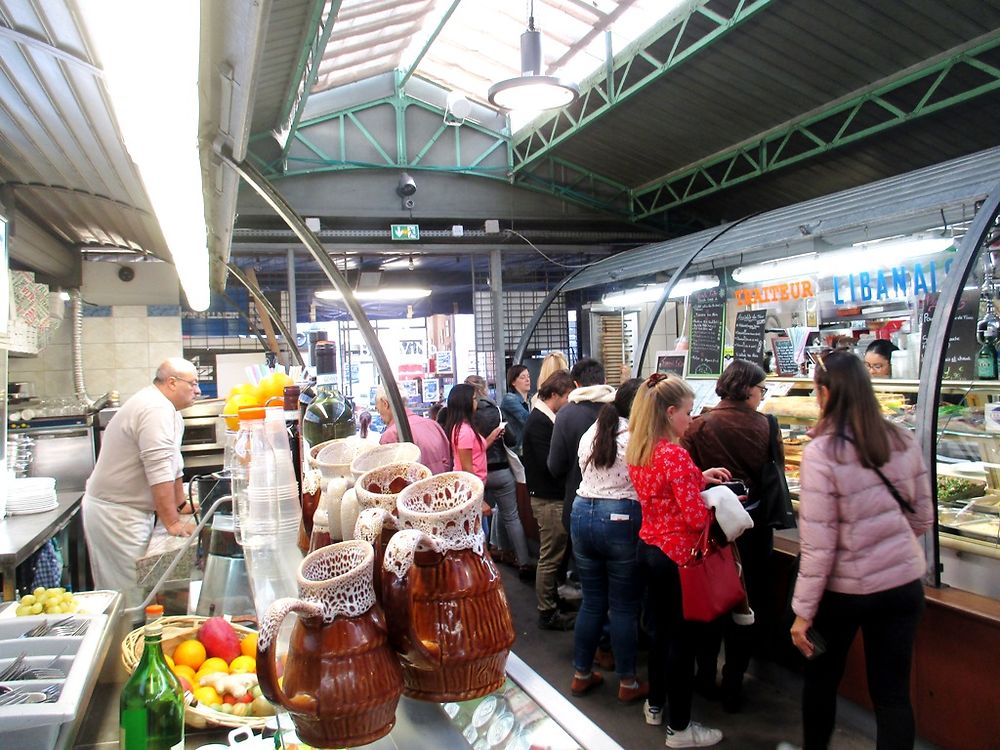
{"x": 933, "y": 276}
{"x": 899, "y": 281}
{"x": 882, "y": 289}
{"x": 865, "y": 285}
{"x": 836, "y": 292}
{"x": 850, "y": 280}
{"x": 919, "y": 282}
{"x": 947, "y": 266}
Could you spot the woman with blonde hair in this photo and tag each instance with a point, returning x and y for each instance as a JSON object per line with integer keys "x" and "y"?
{"x": 553, "y": 362}
{"x": 674, "y": 517}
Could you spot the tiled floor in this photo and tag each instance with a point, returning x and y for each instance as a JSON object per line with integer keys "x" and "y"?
{"x": 770, "y": 716}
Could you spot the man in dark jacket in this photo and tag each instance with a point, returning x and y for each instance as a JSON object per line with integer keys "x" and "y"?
{"x": 574, "y": 419}
{"x": 547, "y": 497}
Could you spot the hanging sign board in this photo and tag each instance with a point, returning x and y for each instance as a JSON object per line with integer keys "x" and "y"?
{"x": 708, "y": 320}
{"x": 405, "y": 231}
{"x": 784, "y": 356}
{"x": 748, "y": 336}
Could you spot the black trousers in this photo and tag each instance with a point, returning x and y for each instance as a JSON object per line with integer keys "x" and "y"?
{"x": 888, "y": 622}
{"x": 755, "y": 546}
{"x": 673, "y": 639}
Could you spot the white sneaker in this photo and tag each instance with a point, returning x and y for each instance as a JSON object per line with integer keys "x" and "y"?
{"x": 787, "y": 746}
{"x": 695, "y": 735}
{"x": 653, "y": 714}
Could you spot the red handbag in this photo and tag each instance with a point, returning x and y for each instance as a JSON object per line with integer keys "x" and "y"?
{"x": 710, "y": 582}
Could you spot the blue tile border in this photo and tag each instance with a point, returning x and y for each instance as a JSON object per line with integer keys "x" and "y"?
{"x": 97, "y": 311}
{"x": 163, "y": 311}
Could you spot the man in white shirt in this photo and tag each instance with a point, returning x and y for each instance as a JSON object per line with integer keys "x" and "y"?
{"x": 139, "y": 474}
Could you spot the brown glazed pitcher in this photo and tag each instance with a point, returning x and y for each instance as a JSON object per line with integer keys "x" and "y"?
{"x": 444, "y": 599}
{"x": 376, "y": 492}
{"x": 342, "y": 681}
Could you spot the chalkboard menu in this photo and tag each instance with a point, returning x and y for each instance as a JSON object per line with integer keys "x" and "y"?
{"x": 784, "y": 356}
{"x": 671, "y": 363}
{"x": 960, "y": 354}
{"x": 748, "y": 336}
{"x": 708, "y": 319}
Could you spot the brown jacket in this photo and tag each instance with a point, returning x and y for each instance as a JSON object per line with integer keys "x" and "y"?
{"x": 731, "y": 435}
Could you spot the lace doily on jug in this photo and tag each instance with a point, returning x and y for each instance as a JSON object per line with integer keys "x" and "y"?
{"x": 375, "y": 488}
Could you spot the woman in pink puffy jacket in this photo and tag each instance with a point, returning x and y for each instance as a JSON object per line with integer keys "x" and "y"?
{"x": 862, "y": 561}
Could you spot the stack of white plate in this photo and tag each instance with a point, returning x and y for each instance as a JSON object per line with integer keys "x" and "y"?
{"x": 30, "y": 495}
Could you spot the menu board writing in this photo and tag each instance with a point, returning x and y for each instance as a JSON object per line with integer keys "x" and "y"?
{"x": 708, "y": 318}
{"x": 748, "y": 335}
{"x": 784, "y": 356}
{"x": 960, "y": 354}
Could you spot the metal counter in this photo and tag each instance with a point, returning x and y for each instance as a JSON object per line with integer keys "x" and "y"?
{"x": 21, "y": 536}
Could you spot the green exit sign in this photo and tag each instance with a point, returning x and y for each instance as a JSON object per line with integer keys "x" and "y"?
{"x": 405, "y": 231}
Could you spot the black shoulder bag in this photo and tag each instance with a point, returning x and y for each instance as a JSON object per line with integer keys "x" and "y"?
{"x": 770, "y": 490}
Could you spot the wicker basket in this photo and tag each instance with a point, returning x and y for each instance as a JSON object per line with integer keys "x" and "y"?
{"x": 175, "y": 630}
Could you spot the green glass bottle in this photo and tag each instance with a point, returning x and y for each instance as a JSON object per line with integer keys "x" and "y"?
{"x": 329, "y": 415}
{"x": 151, "y": 707}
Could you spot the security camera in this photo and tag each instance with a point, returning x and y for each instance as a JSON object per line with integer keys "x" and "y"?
{"x": 407, "y": 186}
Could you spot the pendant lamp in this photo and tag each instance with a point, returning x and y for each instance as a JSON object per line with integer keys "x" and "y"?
{"x": 531, "y": 90}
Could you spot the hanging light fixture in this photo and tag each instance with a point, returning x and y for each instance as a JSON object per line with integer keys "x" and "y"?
{"x": 531, "y": 90}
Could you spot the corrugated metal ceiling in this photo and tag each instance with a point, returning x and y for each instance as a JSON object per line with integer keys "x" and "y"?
{"x": 61, "y": 154}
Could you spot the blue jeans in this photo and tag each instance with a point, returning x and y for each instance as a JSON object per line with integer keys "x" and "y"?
{"x": 605, "y": 537}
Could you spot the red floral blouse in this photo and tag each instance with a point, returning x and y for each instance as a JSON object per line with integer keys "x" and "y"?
{"x": 673, "y": 513}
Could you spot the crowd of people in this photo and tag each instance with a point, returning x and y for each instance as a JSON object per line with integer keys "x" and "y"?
{"x": 615, "y": 479}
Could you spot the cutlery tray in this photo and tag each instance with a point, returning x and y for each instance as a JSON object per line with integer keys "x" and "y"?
{"x": 37, "y": 725}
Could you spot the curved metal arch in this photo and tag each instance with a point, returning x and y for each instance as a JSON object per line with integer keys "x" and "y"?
{"x": 932, "y": 367}
{"x": 274, "y": 199}
{"x": 647, "y": 333}
{"x": 258, "y": 295}
{"x": 529, "y": 330}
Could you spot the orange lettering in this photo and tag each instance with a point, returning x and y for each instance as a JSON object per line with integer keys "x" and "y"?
{"x": 807, "y": 289}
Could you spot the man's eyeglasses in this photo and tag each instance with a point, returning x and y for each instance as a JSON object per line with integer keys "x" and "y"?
{"x": 192, "y": 383}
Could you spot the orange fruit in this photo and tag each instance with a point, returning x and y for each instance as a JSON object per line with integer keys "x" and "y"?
{"x": 246, "y": 389}
{"x": 190, "y": 653}
{"x": 168, "y": 660}
{"x": 183, "y": 670}
{"x": 249, "y": 645}
{"x": 213, "y": 666}
{"x": 208, "y": 695}
{"x": 242, "y": 665}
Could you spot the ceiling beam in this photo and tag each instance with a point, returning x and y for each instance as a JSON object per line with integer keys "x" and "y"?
{"x": 603, "y": 95}
{"x": 306, "y": 71}
{"x": 931, "y": 87}
{"x": 431, "y": 39}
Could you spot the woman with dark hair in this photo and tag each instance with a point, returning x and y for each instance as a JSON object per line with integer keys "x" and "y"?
{"x": 508, "y": 536}
{"x": 604, "y": 526}
{"x": 878, "y": 358}
{"x": 468, "y": 447}
{"x": 865, "y": 501}
{"x": 674, "y": 517}
{"x": 515, "y": 403}
{"x": 735, "y": 435}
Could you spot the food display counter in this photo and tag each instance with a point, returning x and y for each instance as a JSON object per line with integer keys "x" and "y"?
{"x": 527, "y": 712}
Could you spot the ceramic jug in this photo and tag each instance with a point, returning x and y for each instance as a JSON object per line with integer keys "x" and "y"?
{"x": 341, "y": 680}
{"x": 383, "y": 455}
{"x": 375, "y": 497}
{"x": 444, "y": 600}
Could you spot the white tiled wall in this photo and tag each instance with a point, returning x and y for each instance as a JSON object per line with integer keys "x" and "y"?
{"x": 120, "y": 352}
